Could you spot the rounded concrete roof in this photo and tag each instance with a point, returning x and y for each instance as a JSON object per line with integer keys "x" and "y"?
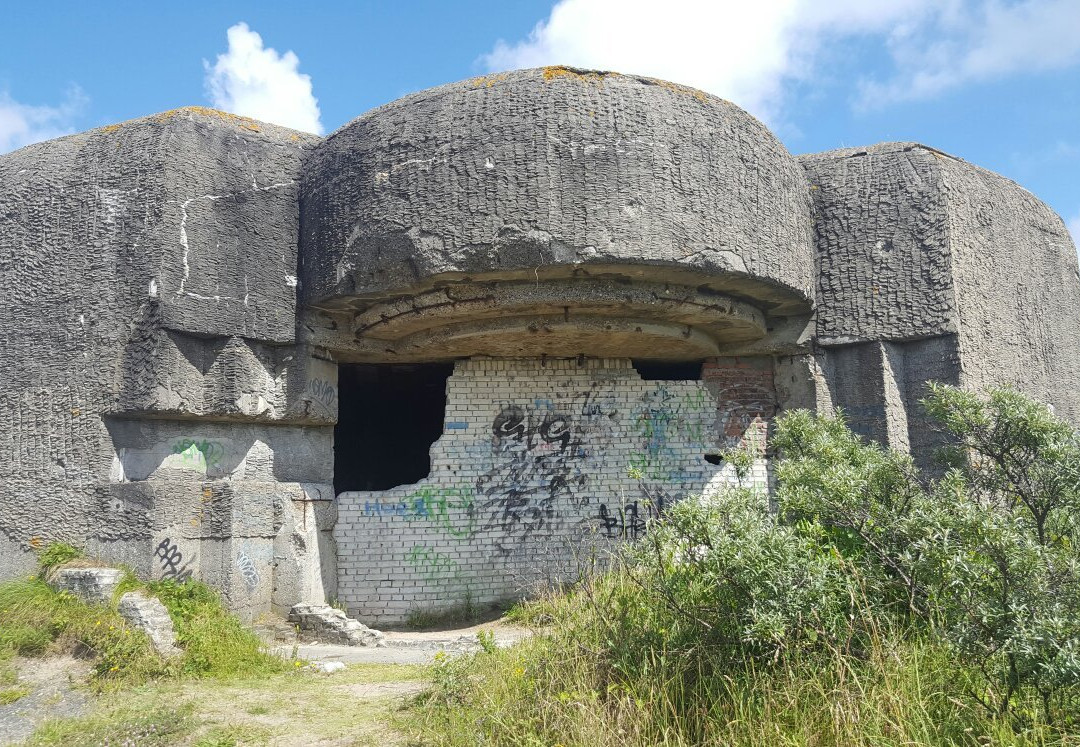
{"x": 552, "y": 166}
{"x": 542, "y": 176}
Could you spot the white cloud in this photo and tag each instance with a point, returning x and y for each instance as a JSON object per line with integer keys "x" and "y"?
{"x": 1073, "y": 224}
{"x": 257, "y": 82}
{"x": 23, "y": 124}
{"x": 751, "y": 52}
{"x": 976, "y": 41}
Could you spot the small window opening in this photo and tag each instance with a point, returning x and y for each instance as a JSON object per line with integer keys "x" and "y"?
{"x": 389, "y": 415}
{"x": 668, "y": 370}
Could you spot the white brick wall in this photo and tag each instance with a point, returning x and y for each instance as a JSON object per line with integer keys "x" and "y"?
{"x": 533, "y": 471}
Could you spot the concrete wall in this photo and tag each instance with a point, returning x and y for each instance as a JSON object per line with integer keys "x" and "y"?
{"x": 556, "y": 172}
{"x": 1017, "y": 287}
{"x": 153, "y": 406}
{"x": 532, "y": 472}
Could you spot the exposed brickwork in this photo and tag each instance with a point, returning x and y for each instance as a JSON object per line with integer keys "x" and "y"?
{"x": 746, "y": 400}
{"x": 538, "y": 465}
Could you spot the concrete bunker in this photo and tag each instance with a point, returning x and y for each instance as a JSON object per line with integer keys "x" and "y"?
{"x": 616, "y": 276}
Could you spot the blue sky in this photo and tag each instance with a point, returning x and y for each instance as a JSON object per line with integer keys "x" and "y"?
{"x": 996, "y": 82}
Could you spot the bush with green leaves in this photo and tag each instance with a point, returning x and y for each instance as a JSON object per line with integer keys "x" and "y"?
{"x": 986, "y": 556}
{"x": 914, "y": 608}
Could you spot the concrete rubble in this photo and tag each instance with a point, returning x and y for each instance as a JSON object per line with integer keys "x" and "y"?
{"x": 149, "y": 615}
{"x": 93, "y": 585}
{"x": 326, "y": 624}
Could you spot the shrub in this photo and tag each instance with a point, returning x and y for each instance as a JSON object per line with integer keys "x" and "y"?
{"x": 986, "y": 556}
{"x": 868, "y": 605}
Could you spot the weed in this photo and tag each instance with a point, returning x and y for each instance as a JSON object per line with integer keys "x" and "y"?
{"x": 36, "y": 619}
{"x": 215, "y": 642}
{"x": 9, "y": 695}
{"x": 465, "y": 612}
{"x": 57, "y": 554}
{"x": 160, "y": 726}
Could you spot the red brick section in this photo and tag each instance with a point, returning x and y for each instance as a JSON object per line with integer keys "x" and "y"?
{"x": 746, "y": 399}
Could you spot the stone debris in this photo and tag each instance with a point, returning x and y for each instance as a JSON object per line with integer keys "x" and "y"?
{"x": 149, "y": 615}
{"x": 326, "y": 624}
{"x": 93, "y": 585}
{"x": 327, "y": 667}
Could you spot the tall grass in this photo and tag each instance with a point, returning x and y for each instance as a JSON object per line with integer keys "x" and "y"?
{"x": 37, "y": 619}
{"x": 576, "y": 683}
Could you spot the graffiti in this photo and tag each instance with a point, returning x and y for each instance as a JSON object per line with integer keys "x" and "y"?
{"x": 631, "y": 520}
{"x": 623, "y": 523}
{"x": 323, "y": 392}
{"x": 199, "y": 454}
{"x": 431, "y": 564}
{"x": 539, "y": 470}
{"x": 247, "y": 570}
{"x": 452, "y": 509}
{"x": 171, "y": 559}
{"x": 666, "y": 420}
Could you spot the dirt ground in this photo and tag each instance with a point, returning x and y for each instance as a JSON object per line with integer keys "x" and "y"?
{"x": 357, "y": 705}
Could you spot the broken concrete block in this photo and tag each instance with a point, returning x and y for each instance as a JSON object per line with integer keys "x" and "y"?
{"x": 326, "y": 624}
{"x": 93, "y": 585}
{"x": 149, "y": 615}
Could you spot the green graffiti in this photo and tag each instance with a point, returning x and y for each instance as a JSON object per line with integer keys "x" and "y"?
{"x": 450, "y": 508}
{"x": 432, "y": 564}
{"x": 204, "y": 454}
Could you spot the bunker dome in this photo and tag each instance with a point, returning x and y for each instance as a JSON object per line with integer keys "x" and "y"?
{"x": 440, "y": 354}
{"x": 555, "y": 211}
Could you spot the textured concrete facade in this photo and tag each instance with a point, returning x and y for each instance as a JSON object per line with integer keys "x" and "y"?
{"x": 183, "y": 291}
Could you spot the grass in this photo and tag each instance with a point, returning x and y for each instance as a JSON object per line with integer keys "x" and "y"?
{"x": 130, "y": 724}
{"x": 564, "y": 686}
{"x": 37, "y": 620}
{"x": 225, "y": 689}
{"x": 297, "y": 707}
{"x": 9, "y": 695}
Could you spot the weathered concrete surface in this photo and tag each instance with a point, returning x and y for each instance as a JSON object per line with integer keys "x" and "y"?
{"x": 93, "y": 585}
{"x": 1017, "y": 287}
{"x": 932, "y": 269}
{"x": 180, "y": 289}
{"x": 556, "y": 178}
{"x": 150, "y": 276}
{"x": 149, "y": 615}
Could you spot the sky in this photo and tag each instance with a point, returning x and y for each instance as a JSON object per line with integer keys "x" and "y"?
{"x": 996, "y": 82}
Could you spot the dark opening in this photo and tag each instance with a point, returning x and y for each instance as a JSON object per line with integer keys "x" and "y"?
{"x": 668, "y": 370}
{"x": 389, "y": 415}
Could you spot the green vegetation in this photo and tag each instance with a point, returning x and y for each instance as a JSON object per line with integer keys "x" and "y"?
{"x": 868, "y": 605}
{"x": 215, "y": 642}
{"x": 132, "y": 724}
{"x": 38, "y": 620}
{"x": 354, "y": 707}
{"x": 465, "y": 613}
{"x": 225, "y": 688}
{"x": 57, "y": 554}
